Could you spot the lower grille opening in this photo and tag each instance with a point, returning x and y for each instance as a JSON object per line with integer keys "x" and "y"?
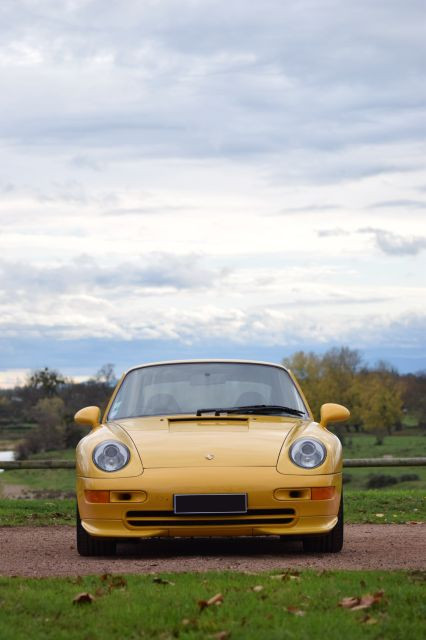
{"x": 253, "y": 517}
{"x": 209, "y": 522}
{"x": 141, "y": 513}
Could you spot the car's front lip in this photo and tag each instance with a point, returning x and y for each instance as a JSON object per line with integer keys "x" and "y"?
{"x": 155, "y": 516}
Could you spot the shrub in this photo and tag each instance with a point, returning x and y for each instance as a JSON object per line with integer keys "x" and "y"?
{"x": 346, "y": 478}
{"x": 408, "y": 477}
{"x": 381, "y": 480}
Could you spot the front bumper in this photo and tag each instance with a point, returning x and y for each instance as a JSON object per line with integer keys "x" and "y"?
{"x": 267, "y": 515}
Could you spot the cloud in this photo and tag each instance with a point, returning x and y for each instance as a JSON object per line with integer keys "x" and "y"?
{"x": 330, "y": 233}
{"x": 304, "y": 85}
{"x": 84, "y": 274}
{"x": 147, "y": 210}
{"x": 310, "y": 208}
{"x": 388, "y": 242}
{"x": 168, "y": 145}
{"x": 394, "y": 244}
{"x": 399, "y": 204}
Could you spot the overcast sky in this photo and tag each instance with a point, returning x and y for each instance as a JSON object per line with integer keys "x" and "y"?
{"x": 211, "y": 178}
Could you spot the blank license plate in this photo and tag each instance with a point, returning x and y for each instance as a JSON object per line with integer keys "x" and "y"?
{"x": 210, "y": 503}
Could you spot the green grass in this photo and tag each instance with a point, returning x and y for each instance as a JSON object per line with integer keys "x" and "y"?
{"x": 15, "y": 513}
{"x": 43, "y": 479}
{"x": 385, "y": 506}
{"x": 363, "y": 446}
{"x": 138, "y": 606}
{"x": 396, "y": 506}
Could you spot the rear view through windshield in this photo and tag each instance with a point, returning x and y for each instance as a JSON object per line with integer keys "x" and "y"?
{"x": 169, "y": 389}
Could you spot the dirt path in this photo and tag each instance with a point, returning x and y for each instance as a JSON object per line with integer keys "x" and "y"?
{"x": 50, "y": 551}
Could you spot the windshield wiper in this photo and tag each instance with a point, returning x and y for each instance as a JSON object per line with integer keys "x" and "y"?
{"x": 253, "y": 408}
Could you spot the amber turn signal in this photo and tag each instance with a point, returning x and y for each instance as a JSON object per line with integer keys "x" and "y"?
{"x": 96, "y": 496}
{"x": 322, "y": 493}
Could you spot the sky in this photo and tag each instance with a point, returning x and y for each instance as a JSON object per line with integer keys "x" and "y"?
{"x": 211, "y": 179}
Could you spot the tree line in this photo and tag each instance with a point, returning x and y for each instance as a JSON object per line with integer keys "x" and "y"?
{"x": 380, "y": 399}
{"x": 44, "y": 407}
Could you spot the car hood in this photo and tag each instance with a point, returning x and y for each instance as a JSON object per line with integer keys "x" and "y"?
{"x": 200, "y": 442}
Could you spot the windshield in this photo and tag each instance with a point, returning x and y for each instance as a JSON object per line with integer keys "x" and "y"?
{"x": 169, "y": 389}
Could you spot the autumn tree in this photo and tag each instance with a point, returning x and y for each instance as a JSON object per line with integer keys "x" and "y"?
{"x": 414, "y": 396}
{"x": 329, "y": 378}
{"x": 381, "y": 407}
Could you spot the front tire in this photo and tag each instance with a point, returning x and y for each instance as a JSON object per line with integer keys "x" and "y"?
{"x": 87, "y": 545}
{"x": 331, "y": 542}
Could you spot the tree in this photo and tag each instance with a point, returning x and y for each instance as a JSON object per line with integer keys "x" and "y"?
{"x": 381, "y": 402}
{"x": 414, "y": 396}
{"x": 307, "y": 367}
{"x": 46, "y": 380}
{"x": 330, "y": 378}
{"x": 106, "y": 375}
{"x": 49, "y": 434}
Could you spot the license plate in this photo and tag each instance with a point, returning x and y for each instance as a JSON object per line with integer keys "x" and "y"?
{"x": 210, "y": 503}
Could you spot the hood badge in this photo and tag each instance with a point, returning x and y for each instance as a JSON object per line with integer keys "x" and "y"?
{"x": 209, "y": 456}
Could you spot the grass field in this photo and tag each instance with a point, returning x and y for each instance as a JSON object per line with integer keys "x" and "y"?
{"x": 289, "y": 605}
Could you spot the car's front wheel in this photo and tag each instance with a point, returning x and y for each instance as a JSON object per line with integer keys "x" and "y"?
{"x": 331, "y": 542}
{"x": 87, "y": 545}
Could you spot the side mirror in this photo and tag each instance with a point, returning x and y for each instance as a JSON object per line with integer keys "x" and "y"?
{"x": 331, "y": 412}
{"x": 90, "y": 416}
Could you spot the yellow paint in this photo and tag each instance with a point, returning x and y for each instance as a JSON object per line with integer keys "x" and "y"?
{"x": 331, "y": 412}
{"x": 89, "y": 416}
{"x": 227, "y": 454}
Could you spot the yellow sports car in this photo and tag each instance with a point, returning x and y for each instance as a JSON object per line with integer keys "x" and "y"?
{"x": 209, "y": 448}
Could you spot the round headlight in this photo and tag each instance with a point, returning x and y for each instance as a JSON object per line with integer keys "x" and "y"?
{"x": 111, "y": 455}
{"x": 307, "y": 453}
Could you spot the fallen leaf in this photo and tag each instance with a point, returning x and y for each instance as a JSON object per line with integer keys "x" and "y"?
{"x": 257, "y": 588}
{"x": 159, "y": 580}
{"x": 113, "y": 581}
{"x": 349, "y": 602}
{"x": 286, "y": 576}
{"x": 369, "y": 620}
{"x": 82, "y": 598}
{"x": 105, "y": 576}
{"x": 222, "y": 635}
{"x": 217, "y": 600}
{"x": 186, "y": 622}
{"x": 117, "y": 582}
{"x": 296, "y": 612}
{"x": 414, "y": 522}
{"x": 364, "y": 602}
{"x": 380, "y": 515}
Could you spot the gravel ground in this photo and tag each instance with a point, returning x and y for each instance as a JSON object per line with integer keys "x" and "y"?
{"x": 50, "y": 551}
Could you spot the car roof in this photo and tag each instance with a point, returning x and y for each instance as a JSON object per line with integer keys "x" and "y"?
{"x": 203, "y": 360}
